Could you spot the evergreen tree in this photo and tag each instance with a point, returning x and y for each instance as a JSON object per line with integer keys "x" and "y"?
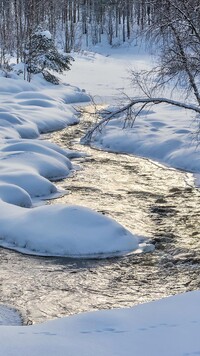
{"x": 41, "y": 56}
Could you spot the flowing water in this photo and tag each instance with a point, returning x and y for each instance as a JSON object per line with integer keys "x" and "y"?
{"x": 147, "y": 198}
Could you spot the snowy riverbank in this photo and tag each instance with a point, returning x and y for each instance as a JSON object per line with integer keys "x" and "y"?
{"x": 29, "y": 166}
{"x": 167, "y": 327}
{"x": 165, "y": 134}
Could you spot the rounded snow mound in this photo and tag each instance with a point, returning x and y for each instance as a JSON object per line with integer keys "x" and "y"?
{"x": 13, "y": 194}
{"x": 34, "y": 184}
{"x": 59, "y": 230}
{"x": 9, "y": 316}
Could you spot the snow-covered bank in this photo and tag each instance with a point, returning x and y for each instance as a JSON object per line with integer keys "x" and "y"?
{"x": 60, "y": 230}
{"x": 26, "y": 111}
{"x": 155, "y": 135}
{"x": 165, "y": 134}
{"x": 9, "y": 316}
{"x": 28, "y": 165}
{"x": 104, "y": 72}
{"x": 168, "y": 327}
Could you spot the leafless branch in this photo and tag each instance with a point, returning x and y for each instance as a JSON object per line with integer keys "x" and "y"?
{"x": 126, "y": 108}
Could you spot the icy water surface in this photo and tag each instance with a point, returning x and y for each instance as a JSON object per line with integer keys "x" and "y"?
{"x": 145, "y": 197}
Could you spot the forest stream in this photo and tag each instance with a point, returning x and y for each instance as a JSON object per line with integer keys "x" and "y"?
{"x": 149, "y": 199}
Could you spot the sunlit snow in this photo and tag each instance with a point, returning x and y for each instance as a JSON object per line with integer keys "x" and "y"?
{"x": 30, "y": 165}
{"x": 168, "y": 327}
{"x": 166, "y": 134}
{"x": 60, "y": 230}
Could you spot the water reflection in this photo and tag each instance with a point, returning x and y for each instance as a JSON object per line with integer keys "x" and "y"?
{"x": 149, "y": 200}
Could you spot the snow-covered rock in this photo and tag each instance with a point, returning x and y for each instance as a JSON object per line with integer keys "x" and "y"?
{"x": 60, "y": 230}
{"x": 13, "y": 194}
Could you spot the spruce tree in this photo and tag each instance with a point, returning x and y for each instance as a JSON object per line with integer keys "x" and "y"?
{"x": 42, "y": 56}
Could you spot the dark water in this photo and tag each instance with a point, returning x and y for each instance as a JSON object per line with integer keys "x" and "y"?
{"x": 145, "y": 197}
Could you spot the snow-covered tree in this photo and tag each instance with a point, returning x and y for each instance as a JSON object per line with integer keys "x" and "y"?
{"x": 173, "y": 31}
{"x": 79, "y": 20}
{"x": 42, "y": 56}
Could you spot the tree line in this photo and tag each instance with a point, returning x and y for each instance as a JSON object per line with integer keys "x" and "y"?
{"x": 172, "y": 26}
{"x": 70, "y": 22}
{"x": 172, "y": 29}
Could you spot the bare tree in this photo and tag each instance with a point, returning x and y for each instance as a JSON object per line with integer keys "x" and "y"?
{"x": 175, "y": 33}
{"x": 116, "y": 18}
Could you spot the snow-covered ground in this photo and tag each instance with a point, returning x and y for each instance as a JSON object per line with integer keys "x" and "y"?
{"x": 9, "y": 316}
{"x": 166, "y": 134}
{"x": 169, "y": 327}
{"x": 60, "y": 230}
{"x": 28, "y": 165}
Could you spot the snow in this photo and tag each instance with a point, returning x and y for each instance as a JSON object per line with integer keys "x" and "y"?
{"x": 167, "y": 141}
{"x": 30, "y": 165}
{"x": 9, "y": 316}
{"x": 44, "y": 33}
{"x": 104, "y": 73}
{"x": 27, "y": 164}
{"x": 166, "y": 327}
{"x": 60, "y": 230}
{"x": 14, "y": 194}
{"x": 166, "y": 134}
{"x": 34, "y": 184}
{"x": 48, "y": 167}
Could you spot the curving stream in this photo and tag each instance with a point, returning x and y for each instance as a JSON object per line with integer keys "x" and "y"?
{"x": 148, "y": 199}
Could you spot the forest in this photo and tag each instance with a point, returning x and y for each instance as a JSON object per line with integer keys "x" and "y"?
{"x": 99, "y": 177}
{"x": 69, "y": 20}
{"x": 170, "y": 27}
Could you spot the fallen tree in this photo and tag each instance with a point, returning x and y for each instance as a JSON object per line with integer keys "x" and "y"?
{"x": 131, "y": 115}
{"x": 174, "y": 33}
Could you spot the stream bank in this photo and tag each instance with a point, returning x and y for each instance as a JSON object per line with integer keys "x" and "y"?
{"x": 148, "y": 199}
